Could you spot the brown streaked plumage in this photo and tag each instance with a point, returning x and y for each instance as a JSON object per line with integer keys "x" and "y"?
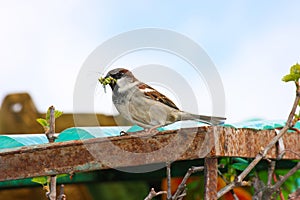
{"x": 145, "y": 106}
{"x": 154, "y": 94}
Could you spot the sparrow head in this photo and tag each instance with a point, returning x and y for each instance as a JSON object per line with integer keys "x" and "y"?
{"x": 118, "y": 74}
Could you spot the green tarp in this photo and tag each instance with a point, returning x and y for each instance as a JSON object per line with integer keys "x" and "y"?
{"x": 81, "y": 133}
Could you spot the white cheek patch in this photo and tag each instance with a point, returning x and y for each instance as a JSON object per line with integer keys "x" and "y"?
{"x": 125, "y": 84}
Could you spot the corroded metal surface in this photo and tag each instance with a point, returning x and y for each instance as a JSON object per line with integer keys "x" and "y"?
{"x": 135, "y": 150}
{"x": 210, "y": 178}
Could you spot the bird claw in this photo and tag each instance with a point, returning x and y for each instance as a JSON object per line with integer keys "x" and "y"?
{"x": 123, "y": 133}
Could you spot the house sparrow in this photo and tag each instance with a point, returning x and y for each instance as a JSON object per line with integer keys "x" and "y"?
{"x": 143, "y": 105}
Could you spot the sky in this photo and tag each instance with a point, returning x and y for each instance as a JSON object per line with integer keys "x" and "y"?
{"x": 252, "y": 43}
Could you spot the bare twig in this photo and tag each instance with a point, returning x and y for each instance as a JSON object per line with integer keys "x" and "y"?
{"x": 181, "y": 188}
{"x": 235, "y": 197}
{"x": 51, "y": 137}
{"x": 278, "y": 184}
{"x": 180, "y": 197}
{"x": 62, "y": 195}
{"x": 291, "y": 151}
{"x": 51, "y": 131}
{"x": 222, "y": 176}
{"x": 169, "y": 195}
{"x": 267, "y": 192}
{"x": 152, "y": 194}
{"x": 290, "y": 123}
{"x": 279, "y": 190}
{"x": 295, "y": 195}
{"x": 52, "y": 193}
{"x": 258, "y": 187}
{"x": 271, "y": 172}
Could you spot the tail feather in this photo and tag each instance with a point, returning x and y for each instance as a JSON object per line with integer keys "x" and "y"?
{"x": 212, "y": 120}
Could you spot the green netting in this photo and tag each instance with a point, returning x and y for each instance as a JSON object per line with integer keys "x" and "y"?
{"x": 259, "y": 124}
{"x": 82, "y": 133}
{"x": 10, "y": 141}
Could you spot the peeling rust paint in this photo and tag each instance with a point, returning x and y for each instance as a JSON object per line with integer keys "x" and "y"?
{"x": 134, "y": 150}
{"x": 210, "y": 178}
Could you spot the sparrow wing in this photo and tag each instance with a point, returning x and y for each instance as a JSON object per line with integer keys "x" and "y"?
{"x": 153, "y": 94}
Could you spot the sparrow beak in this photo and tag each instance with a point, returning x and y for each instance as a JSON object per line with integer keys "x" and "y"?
{"x": 108, "y": 80}
{"x": 108, "y": 76}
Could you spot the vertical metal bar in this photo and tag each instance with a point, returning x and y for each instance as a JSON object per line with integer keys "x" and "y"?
{"x": 169, "y": 195}
{"x": 210, "y": 178}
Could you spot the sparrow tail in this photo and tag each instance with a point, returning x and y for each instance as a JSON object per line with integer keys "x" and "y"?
{"x": 212, "y": 120}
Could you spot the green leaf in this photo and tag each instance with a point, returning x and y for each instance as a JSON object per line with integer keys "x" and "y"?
{"x": 57, "y": 114}
{"x": 62, "y": 175}
{"x": 193, "y": 185}
{"x": 224, "y": 161}
{"x": 291, "y": 77}
{"x": 43, "y": 180}
{"x": 295, "y": 69}
{"x": 239, "y": 166}
{"x": 40, "y": 180}
{"x": 294, "y": 74}
{"x": 42, "y": 122}
{"x": 241, "y": 160}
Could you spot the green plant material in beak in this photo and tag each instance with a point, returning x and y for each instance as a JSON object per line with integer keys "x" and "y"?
{"x": 106, "y": 81}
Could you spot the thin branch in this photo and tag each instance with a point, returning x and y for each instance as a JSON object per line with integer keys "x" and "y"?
{"x": 290, "y": 123}
{"x": 279, "y": 190}
{"x": 222, "y": 176}
{"x": 181, "y": 188}
{"x": 271, "y": 172}
{"x": 285, "y": 177}
{"x": 180, "y": 197}
{"x": 153, "y": 194}
{"x": 235, "y": 197}
{"x": 52, "y": 194}
{"x": 51, "y": 137}
{"x": 50, "y": 133}
{"x": 291, "y": 151}
{"x": 295, "y": 195}
{"x": 258, "y": 187}
{"x": 169, "y": 195}
{"x": 62, "y": 195}
{"x": 267, "y": 192}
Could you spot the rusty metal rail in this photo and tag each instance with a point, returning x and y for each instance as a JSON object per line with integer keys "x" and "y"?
{"x": 136, "y": 150}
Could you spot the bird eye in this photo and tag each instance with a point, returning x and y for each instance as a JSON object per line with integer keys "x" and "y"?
{"x": 121, "y": 73}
